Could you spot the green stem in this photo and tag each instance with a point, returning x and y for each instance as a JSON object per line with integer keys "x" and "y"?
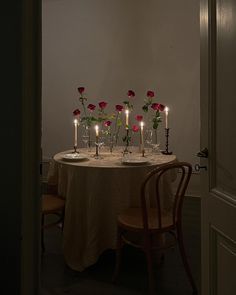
{"x": 85, "y": 113}
{"x": 115, "y": 131}
{"x": 155, "y": 136}
{"x": 117, "y": 134}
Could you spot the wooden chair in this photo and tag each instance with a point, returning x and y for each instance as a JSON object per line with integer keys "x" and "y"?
{"x": 52, "y": 204}
{"x": 153, "y": 221}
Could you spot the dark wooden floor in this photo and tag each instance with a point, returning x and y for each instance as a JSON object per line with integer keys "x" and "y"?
{"x": 171, "y": 279}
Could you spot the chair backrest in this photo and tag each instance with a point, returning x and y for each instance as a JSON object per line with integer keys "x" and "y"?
{"x": 168, "y": 183}
{"x": 51, "y": 178}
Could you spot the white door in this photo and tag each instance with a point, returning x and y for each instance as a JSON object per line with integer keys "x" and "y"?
{"x": 218, "y": 135}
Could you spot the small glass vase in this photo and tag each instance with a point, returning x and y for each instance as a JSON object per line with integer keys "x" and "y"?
{"x": 111, "y": 142}
{"x": 156, "y": 142}
{"x": 152, "y": 139}
{"x": 127, "y": 139}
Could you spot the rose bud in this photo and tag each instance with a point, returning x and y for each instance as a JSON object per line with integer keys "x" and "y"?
{"x": 107, "y": 123}
{"x": 91, "y": 107}
{"x": 139, "y": 118}
{"x": 150, "y": 93}
{"x": 135, "y": 128}
{"x": 161, "y": 107}
{"x": 76, "y": 112}
{"x": 102, "y": 105}
{"x": 81, "y": 90}
{"x": 155, "y": 106}
{"x": 131, "y": 93}
{"x": 119, "y": 108}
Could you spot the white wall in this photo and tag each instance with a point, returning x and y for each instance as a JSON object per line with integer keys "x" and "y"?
{"x": 110, "y": 46}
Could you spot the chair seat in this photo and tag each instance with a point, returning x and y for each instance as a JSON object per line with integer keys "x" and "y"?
{"x": 132, "y": 219}
{"x": 52, "y": 203}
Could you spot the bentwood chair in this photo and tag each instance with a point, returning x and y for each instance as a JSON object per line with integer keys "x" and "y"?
{"x": 151, "y": 221}
{"x": 53, "y": 205}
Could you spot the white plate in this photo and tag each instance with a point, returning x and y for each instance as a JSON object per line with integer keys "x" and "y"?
{"x": 134, "y": 161}
{"x": 74, "y": 157}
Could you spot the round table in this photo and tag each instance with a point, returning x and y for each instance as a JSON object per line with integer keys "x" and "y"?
{"x": 96, "y": 191}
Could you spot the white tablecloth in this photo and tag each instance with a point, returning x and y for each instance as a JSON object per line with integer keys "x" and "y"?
{"x": 95, "y": 192}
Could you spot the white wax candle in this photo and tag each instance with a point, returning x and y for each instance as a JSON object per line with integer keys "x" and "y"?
{"x": 141, "y": 132}
{"x": 76, "y": 132}
{"x": 127, "y": 119}
{"x": 97, "y": 132}
{"x": 166, "y": 111}
{"x": 141, "y": 129}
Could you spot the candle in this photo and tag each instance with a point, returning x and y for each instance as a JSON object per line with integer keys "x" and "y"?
{"x": 97, "y": 132}
{"x": 76, "y": 132}
{"x": 127, "y": 119}
{"x": 96, "y": 142}
{"x": 166, "y": 111}
{"x": 141, "y": 130}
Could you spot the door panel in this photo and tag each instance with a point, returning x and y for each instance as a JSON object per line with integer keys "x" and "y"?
{"x": 225, "y": 96}
{"x": 218, "y": 105}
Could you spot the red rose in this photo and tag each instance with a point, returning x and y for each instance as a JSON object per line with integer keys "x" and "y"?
{"x": 119, "y": 108}
{"x": 150, "y": 93}
{"x": 139, "y": 118}
{"x": 161, "y": 107}
{"x": 155, "y": 106}
{"x": 81, "y": 90}
{"x": 91, "y": 107}
{"x": 158, "y": 107}
{"x": 107, "y": 123}
{"x": 135, "y": 128}
{"x": 102, "y": 105}
{"x": 76, "y": 112}
{"x": 131, "y": 93}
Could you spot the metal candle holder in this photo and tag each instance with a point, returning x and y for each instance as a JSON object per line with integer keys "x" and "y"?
{"x": 75, "y": 149}
{"x": 96, "y": 154}
{"x": 166, "y": 152}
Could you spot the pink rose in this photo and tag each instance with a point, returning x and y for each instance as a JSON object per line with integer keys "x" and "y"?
{"x": 91, "y": 107}
{"x": 131, "y": 93}
{"x": 102, "y": 105}
{"x": 135, "y": 128}
{"x": 150, "y": 93}
{"x": 81, "y": 90}
{"x": 76, "y": 112}
{"x": 139, "y": 118}
{"x": 107, "y": 123}
{"x": 119, "y": 108}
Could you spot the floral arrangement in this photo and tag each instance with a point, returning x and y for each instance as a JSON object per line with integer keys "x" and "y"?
{"x": 156, "y": 107}
{"x": 111, "y": 123}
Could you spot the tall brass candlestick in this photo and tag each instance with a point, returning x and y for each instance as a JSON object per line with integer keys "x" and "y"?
{"x": 167, "y": 152}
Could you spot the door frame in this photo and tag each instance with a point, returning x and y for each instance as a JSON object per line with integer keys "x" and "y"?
{"x": 31, "y": 47}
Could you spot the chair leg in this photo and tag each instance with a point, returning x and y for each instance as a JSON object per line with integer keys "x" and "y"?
{"x": 147, "y": 250}
{"x": 184, "y": 258}
{"x": 42, "y": 234}
{"x": 118, "y": 255}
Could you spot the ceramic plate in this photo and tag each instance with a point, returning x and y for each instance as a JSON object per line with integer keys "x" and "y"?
{"x": 75, "y": 157}
{"x": 134, "y": 161}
